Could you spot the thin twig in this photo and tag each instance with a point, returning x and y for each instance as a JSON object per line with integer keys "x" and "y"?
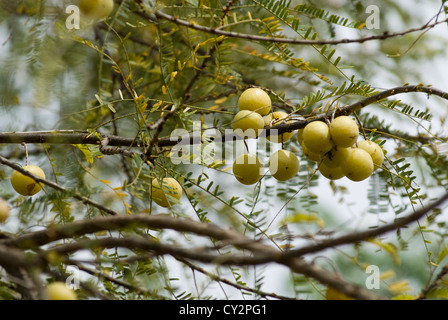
{"x": 231, "y": 34}
{"x": 233, "y": 284}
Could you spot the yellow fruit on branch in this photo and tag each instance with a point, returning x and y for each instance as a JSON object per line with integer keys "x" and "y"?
{"x": 167, "y": 194}
{"x": 255, "y": 99}
{"x": 336, "y": 156}
{"x": 96, "y": 9}
{"x": 375, "y": 151}
{"x": 344, "y": 131}
{"x": 359, "y": 165}
{"x": 247, "y": 169}
{"x": 248, "y": 124}
{"x": 316, "y": 137}
{"x": 311, "y": 155}
{"x": 332, "y": 173}
{"x": 25, "y": 185}
{"x": 283, "y": 165}
{"x": 60, "y": 291}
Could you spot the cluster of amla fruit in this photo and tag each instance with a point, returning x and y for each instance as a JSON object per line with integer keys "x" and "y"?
{"x": 335, "y": 147}
{"x": 254, "y": 104}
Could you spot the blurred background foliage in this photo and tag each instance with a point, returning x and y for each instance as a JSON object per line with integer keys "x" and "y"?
{"x": 117, "y": 76}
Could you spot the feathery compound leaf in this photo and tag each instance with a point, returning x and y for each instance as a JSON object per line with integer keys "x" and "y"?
{"x": 304, "y": 218}
{"x": 86, "y": 151}
{"x": 389, "y": 248}
{"x": 325, "y": 15}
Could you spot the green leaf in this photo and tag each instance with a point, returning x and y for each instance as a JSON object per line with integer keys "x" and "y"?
{"x": 86, "y": 151}
{"x": 389, "y": 248}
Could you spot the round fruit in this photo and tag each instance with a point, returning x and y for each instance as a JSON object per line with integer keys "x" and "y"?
{"x": 311, "y": 155}
{"x": 247, "y": 169}
{"x": 4, "y": 210}
{"x": 248, "y": 124}
{"x": 374, "y": 150}
{"x": 25, "y": 185}
{"x": 344, "y": 131}
{"x": 60, "y": 291}
{"x": 283, "y": 165}
{"x": 96, "y": 9}
{"x": 255, "y": 99}
{"x": 336, "y": 156}
{"x": 166, "y": 195}
{"x": 273, "y": 119}
{"x": 316, "y": 137}
{"x": 358, "y": 166}
{"x": 332, "y": 173}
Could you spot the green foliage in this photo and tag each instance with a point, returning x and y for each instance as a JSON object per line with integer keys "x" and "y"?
{"x": 141, "y": 76}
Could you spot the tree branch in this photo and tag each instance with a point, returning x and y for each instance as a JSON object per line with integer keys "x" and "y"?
{"x": 65, "y": 137}
{"x": 367, "y": 234}
{"x": 72, "y": 137}
{"x": 231, "y": 34}
{"x": 262, "y": 253}
{"x": 361, "y": 104}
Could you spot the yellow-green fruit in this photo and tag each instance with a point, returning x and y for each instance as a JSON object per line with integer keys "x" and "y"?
{"x": 332, "y": 173}
{"x": 4, "y": 210}
{"x": 166, "y": 195}
{"x": 359, "y": 165}
{"x": 59, "y": 291}
{"x": 333, "y": 294}
{"x": 248, "y": 124}
{"x": 316, "y": 137}
{"x": 336, "y": 156}
{"x": 375, "y": 151}
{"x": 273, "y": 119}
{"x": 25, "y": 185}
{"x": 311, "y": 155}
{"x": 255, "y": 99}
{"x": 283, "y": 165}
{"x": 344, "y": 131}
{"x": 247, "y": 169}
{"x": 96, "y": 9}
